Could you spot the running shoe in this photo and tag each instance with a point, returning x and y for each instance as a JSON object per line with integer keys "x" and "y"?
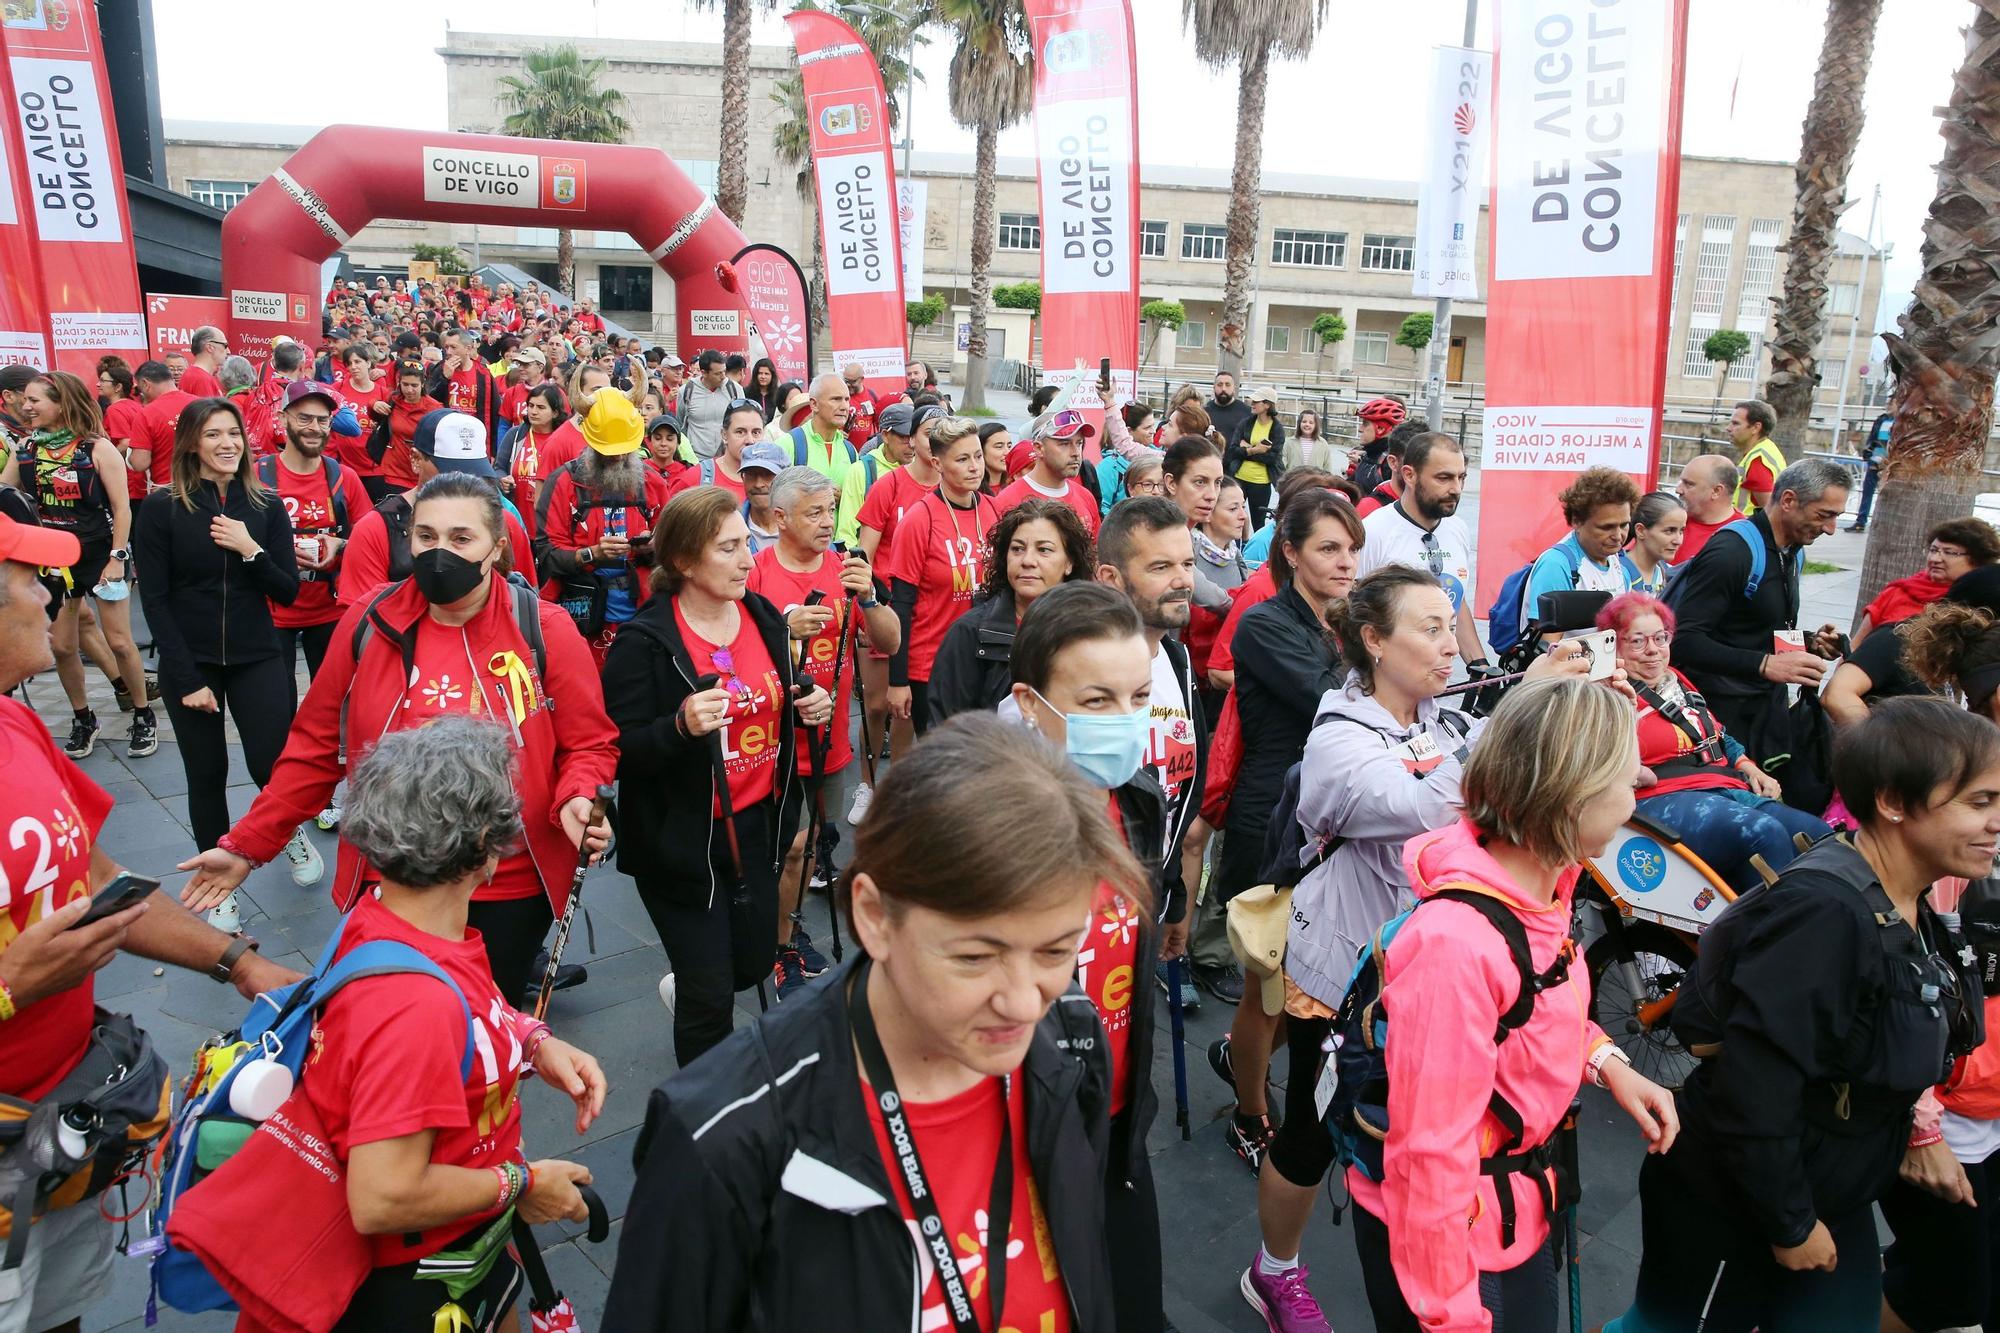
{"x": 1190, "y": 997}
{"x": 1284, "y": 1299}
{"x": 307, "y": 867}
{"x": 822, "y": 878}
{"x": 667, "y": 993}
{"x": 1225, "y": 983}
{"x": 83, "y": 731}
{"x": 1249, "y": 1137}
{"x": 225, "y": 917}
{"x": 144, "y": 738}
{"x": 328, "y": 819}
{"x": 810, "y": 959}
{"x": 567, "y": 974}
{"x": 857, "y": 809}
{"x": 787, "y": 974}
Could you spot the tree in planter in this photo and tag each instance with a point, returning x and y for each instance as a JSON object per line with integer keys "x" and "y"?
{"x": 1948, "y": 353}
{"x": 1330, "y": 328}
{"x": 922, "y": 314}
{"x": 1832, "y": 128}
{"x": 448, "y": 258}
{"x": 1416, "y": 331}
{"x": 1022, "y": 296}
{"x": 558, "y": 98}
{"x": 1162, "y": 316}
{"x": 1724, "y": 347}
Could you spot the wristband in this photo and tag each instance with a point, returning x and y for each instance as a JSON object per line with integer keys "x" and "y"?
{"x": 1601, "y": 1057}
{"x": 539, "y": 1034}
{"x": 7, "y": 1009}
{"x": 868, "y": 603}
{"x": 1935, "y": 1136}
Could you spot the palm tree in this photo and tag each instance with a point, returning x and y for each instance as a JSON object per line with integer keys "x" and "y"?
{"x": 991, "y": 88}
{"x": 558, "y": 98}
{"x": 1833, "y": 127}
{"x": 732, "y": 177}
{"x": 1948, "y": 354}
{"x": 1247, "y": 34}
{"x": 791, "y": 143}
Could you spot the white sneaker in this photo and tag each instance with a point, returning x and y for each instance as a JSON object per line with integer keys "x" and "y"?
{"x": 857, "y": 809}
{"x": 224, "y": 916}
{"x": 328, "y": 819}
{"x": 667, "y": 993}
{"x": 307, "y": 867}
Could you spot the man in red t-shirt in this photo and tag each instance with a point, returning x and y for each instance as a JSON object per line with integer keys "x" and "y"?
{"x": 863, "y": 406}
{"x": 395, "y": 425}
{"x": 161, "y": 414}
{"x": 1705, "y": 487}
{"x": 1058, "y": 458}
{"x": 462, "y": 382}
{"x": 805, "y": 505}
{"x": 323, "y": 509}
{"x": 741, "y": 427}
{"x": 49, "y": 868}
{"x": 124, "y": 418}
{"x": 208, "y": 348}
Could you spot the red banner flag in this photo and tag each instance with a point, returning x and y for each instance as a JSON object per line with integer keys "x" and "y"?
{"x": 857, "y": 198}
{"x": 1586, "y": 181}
{"x": 171, "y": 320}
{"x": 1087, "y": 147}
{"x": 76, "y": 182}
{"x": 774, "y": 292}
{"x": 24, "y": 319}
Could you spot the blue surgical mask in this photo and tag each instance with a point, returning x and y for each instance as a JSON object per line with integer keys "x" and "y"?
{"x": 1108, "y": 747}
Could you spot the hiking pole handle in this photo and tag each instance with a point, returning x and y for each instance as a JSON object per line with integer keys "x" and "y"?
{"x": 709, "y": 682}
{"x": 598, "y": 805}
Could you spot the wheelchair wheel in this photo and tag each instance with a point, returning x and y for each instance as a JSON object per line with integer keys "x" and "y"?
{"x": 1661, "y": 958}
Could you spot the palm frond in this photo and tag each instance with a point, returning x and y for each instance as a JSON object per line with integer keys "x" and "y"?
{"x": 1224, "y": 29}
{"x": 557, "y": 97}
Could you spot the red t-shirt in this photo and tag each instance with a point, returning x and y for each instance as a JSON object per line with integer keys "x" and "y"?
{"x": 1697, "y": 535}
{"x": 1259, "y": 587}
{"x": 750, "y": 739}
{"x": 1661, "y": 741}
{"x": 1074, "y": 495}
{"x": 353, "y": 451}
{"x": 125, "y": 425}
{"x": 941, "y": 550}
{"x": 1107, "y": 962}
{"x": 308, "y": 502}
{"x": 385, "y": 1058}
{"x": 861, "y": 412}
{"x": 404, "y": 418}
{"x": 196, "y": 382}
{"x": 161, "y": 416}
{"x": 958, "y": 1140}
{"x": 461, "y": 391}
{"x": 891, "y": 497}
{"x": 1759, "y": 478}
{"x": 784, "y": 587}
{"x": 54, "y": 813}
{"x": 512, "y": 400}
{"x": 691, "y": 478}
{"x": 560, "y": 447}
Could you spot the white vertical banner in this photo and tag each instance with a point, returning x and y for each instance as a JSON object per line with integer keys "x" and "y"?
{"x": 1454, "y": 181}
{"x": 911, "y": 198}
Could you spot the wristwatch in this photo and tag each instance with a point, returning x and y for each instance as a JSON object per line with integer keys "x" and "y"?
{"x": 587, "y": 556}
{"x": 121, "y": 553}
{"x": 868, "y": 603}
{"x": 226, "y": 965}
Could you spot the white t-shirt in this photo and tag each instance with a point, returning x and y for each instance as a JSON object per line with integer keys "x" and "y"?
{"x": 1393, "y": 538}
{"x": 1171, "y": 751}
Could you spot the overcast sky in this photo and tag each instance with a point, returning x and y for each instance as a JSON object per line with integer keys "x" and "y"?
{"x": 1342, "y": 111}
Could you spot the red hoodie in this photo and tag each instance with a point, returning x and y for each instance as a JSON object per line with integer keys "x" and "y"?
{"x": 567, "y": 747}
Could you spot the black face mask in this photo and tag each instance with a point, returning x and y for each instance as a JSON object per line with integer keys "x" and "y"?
{"x": 443, "y": 577}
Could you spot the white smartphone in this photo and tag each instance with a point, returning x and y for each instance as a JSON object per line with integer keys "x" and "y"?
{"x": 1600, "y": 649}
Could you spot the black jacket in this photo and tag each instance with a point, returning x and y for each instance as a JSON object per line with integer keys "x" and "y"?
{"x": 1721, "y": 637}
{"x": 763, "y": 1203}
{"x": 973, "y": 671}
{"x": 1824, "y": 1045}
{"x": 1284, "y": 663}
{"x": 206, "y": 606}
{"x": 1226, "y": 417}
{"x": 666, "y": 780}
{"x": 1233, "y": 457}
{"x": 1173, "y": 886}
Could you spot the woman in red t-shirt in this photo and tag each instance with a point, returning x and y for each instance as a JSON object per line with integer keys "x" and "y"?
{"x": 705, "y": 695}
{"x": 434, "y": 1155}
{"x": 937, "y": 561}
{"x": 526, "y": 445}
{"x": 1083, "y": 677}
{"x": 362, "y": 389}
{"x": 774, "y": 1185}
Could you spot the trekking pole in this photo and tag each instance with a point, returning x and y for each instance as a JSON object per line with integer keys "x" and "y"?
{"x": 824, "y": 741}
{"x": 1708, "y": 1304}
{"x": 739, "y": 892}
{"x": 1575, "y": 1271}
{"x": 561, "y": 941}
{"x": 1179, "y": 1018}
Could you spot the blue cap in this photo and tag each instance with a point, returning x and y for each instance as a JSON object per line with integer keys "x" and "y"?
{"x": 766, "y": 457}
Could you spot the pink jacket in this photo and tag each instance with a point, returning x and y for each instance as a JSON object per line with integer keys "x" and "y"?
{"x": 1447, "y": 978}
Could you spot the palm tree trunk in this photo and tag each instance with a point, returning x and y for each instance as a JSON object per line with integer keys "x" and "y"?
{"x": 818, "y": 291}
{"x": 986, "y": 161}
{"x": 1832, "y": 128}
{"x": 1949, "y": 352}
{"x": 1245, "y": 185}
{"x": 732, "y": 186}
{"x": 566, "y": 261}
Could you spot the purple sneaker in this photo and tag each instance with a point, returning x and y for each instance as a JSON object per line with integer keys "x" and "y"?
{"x": 1285, "y": 1301}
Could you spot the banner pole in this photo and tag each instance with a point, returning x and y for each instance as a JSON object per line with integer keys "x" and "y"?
{"x": 1440, "y": 349}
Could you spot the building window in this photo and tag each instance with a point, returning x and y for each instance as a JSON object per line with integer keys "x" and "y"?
{"x": 1680, "y": 245}
{"x": 1832, "y": 374}
{"x": 1020, "y": 231}
{"x": 1388, "y": 254}
{"x": 1313, "y": 249}
{"x": 705, "y": 173}
{"x": 1744, "y": 368}
{"x": 1277, "y": 338}
{"x": 1152, "y": 240}
{"x": 224, "y": 195}
{"x": 1203, "y": 240}
{"x": 1192, "y": 333}
{"x": 1846, "y": 298}
{"x": 625, "y": 287}
{"x": 1760, "y": 266}
{"x": 1371, "y": 349}
{"x": 1711, "y": 270}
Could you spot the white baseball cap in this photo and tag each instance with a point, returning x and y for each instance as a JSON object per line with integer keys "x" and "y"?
{"x": 454, "y": 441}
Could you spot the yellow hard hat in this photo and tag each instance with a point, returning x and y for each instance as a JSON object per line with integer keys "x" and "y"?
{"x": 613, "y": 425}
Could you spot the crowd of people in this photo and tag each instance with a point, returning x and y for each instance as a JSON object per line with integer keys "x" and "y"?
{"x": 1133, "y": 714}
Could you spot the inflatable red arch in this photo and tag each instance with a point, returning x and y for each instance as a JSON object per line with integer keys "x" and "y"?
{"x": 347, "y": 176}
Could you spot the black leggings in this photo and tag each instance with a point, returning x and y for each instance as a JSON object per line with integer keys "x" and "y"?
{"x": 1521, "y": 1299}
{"x": 258, "y": 696}
{"x": 1257, "y": 495}
{"x": 1939, "y": 1273}
{"x": 513, "y": 929}
{"x": 314, "y": 639}
{"x": 1303, "y": 1149}
{"x": 703, "y": 944}
{"x": 920, "y": 706}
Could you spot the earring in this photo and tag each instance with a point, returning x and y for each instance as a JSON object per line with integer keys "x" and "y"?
{"x": 1895, "y": 819}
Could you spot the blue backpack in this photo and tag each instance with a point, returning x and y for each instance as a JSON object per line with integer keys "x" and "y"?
{"x": 1357, "y": 1115}
{"x": 206, "y": 1132}
{"x": 1503, "y": 618}
{"x": 799, "y": 447}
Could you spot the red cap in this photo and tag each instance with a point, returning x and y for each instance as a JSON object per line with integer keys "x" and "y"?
{"x": 29, "y": 544}
{"x": 1021, "y": 457}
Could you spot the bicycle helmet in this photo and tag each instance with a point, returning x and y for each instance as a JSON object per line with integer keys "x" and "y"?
{"x": 1383, "y": 411}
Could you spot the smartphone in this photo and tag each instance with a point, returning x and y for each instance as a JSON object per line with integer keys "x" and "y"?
{"x": 1600, "y": 649}
{"x": 125, "y": 890}
{"x": 1104, "y": 369}
{"x": 1788, "y": 641}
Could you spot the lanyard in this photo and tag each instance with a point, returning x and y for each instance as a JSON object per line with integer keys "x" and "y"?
{"x": 923, "y": 1200}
